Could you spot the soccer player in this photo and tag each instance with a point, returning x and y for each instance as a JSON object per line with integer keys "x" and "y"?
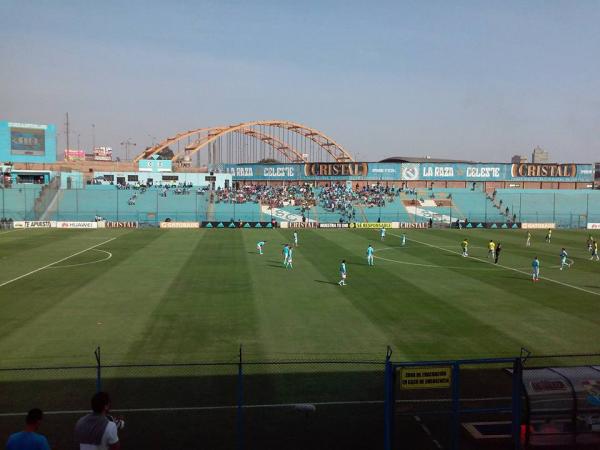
{"x": 528, "y": 243}
{"x": 370, "y": 251}
{"x": 295, "y": 239}
{"x": 549, "y": 235}
{"x": 492, "y": 249}
{"x": 259, "y": 246}
{"x": 535, "y": 269}
{"x": 343, "y": 273}
{"x": 403, "y": 239}
{"x": 288, "y": 263}
{"x": 286, "y": 254}
{"x": 382, "y": 233}
{"x": 590, "y": 244}
{"x": 465, "y": 248}
{"x": 563, "y": 259}
{"x": 595, "y": 251}
{"x": 498, "y": 250}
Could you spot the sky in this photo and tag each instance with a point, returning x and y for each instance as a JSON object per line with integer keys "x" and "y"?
{"x": 476, "y": 80}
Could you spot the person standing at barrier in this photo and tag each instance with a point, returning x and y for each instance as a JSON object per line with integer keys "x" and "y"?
{"x": 535, "y": 269}
{"x": 98, "y": 430}
{"x": 29, "y": 439}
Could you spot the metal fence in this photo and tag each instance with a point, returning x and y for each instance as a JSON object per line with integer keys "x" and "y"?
{"x": 320, "y": 404}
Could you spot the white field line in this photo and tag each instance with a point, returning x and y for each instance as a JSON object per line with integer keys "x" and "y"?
{"x": 55, "y": 262}
{"x": 271, "y": 405}
{"x": 106, "y": 258}
{"x": 11, "y": 231}
{"x": 505, "y": 267}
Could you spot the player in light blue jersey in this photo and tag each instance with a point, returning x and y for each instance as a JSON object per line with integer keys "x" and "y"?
{"x": 259, "y": 247}
{"x": 370, "y": 251}
{"x": 535, "y": 269}
{"x": 286, "y": 254}
{"x": 382, "y": 234}
{"x": 563, "y": 259}
{"x": 289, "y": 262}
{"x": 343, "y": 273}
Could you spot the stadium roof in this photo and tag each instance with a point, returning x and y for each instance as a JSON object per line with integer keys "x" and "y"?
{"x": 412, "y": 159}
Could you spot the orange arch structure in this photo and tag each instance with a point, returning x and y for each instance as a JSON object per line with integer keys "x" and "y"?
{"x": 201, "y": 138}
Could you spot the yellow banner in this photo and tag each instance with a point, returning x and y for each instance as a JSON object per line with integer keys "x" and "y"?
{"x": 372, "y": 225}
{"x": 429, "y": 377}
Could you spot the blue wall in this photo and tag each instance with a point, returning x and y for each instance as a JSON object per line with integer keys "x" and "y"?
{"x": 49, "y": 155}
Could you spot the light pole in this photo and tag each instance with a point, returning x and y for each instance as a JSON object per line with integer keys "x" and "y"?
{"x": 127, "y": 144}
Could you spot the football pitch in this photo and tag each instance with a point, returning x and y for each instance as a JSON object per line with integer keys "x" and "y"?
{"x": 156, "y": 296}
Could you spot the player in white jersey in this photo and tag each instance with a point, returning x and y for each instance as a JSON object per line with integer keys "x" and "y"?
{"x": 343, "y": 273}
{"x": 403, "y": 239}
{"x": 295, "y": 239}
{"x": 370, "y": 251}
{"x": 563, "y": 259}
{"x": 528, "y": 243}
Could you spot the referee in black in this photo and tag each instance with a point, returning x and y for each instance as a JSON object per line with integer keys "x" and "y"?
{"x": 498, "y": 250}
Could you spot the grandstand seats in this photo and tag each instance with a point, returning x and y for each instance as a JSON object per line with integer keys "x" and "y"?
{"x": 566, "y": 208}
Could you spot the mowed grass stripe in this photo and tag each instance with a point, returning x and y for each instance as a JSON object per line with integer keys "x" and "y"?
{"x": 206, "y": 308}
{"x": 529, "y": 310}
{"x": 73, "y": 310}
{"x": 302, "y": 311}
{"x": 419, "y": 315}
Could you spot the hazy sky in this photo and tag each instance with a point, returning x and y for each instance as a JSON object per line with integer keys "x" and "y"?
{"x": 478, "y": 79}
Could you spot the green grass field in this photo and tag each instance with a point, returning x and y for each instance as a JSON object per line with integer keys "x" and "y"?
{"x": 195, "y": 295}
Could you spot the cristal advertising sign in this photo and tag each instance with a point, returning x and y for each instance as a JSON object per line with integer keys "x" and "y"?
{"x": 544, "y": 170}
{"x": 336, "y": 169}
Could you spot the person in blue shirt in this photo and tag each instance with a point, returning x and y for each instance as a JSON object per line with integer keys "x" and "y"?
{"x": 563, "y": 259}
{"x": 370, "y": 251}
{"x": 289, "y": 263}
{"x": 29, "y": 439}
{"x": 535, "y": 269}
{"x": 343, "y": 273}
{"x": 286, "y": 254}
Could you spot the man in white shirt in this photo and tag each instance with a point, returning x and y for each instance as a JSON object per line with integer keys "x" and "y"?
{"x": 97, "y": 430}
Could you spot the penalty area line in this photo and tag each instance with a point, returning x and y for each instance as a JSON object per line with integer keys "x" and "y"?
{"x": 505, "y": 267}
{"x": 56, "y": 262}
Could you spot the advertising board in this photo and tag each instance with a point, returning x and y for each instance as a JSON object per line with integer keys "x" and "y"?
{"x": 77, "y": 225}
{"x": 180, "y": 225}
{"x": 537, "y": 226}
